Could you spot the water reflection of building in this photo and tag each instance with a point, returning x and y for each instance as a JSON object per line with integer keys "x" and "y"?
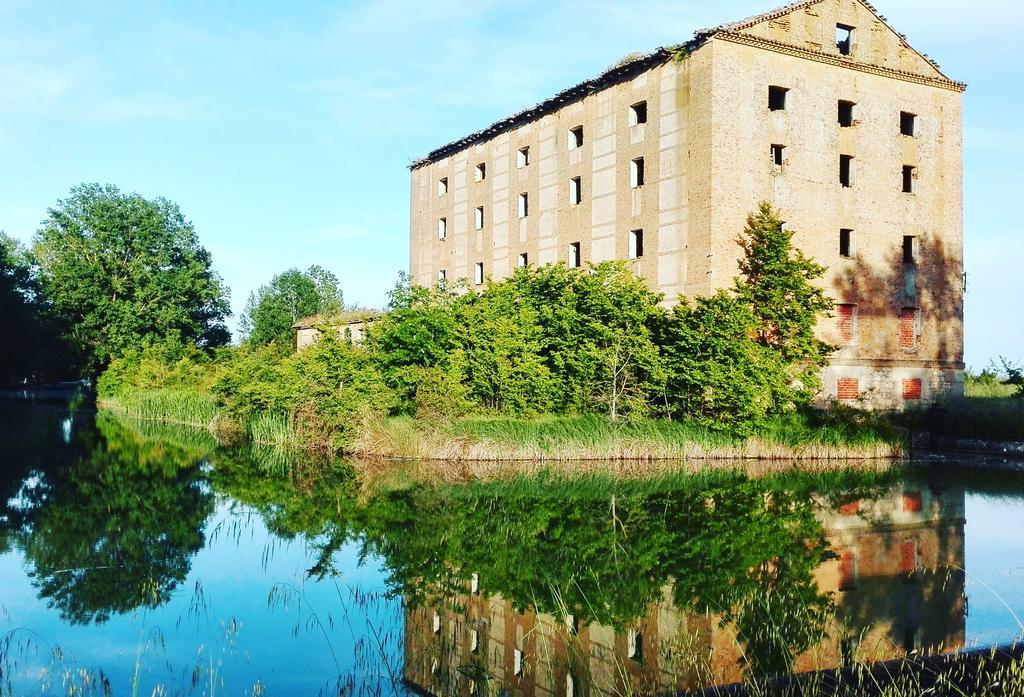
{"x": 896, "y": 581}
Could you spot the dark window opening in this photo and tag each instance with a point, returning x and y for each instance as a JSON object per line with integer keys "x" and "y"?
{"x": 908, "y": 179}
{"x": 908, "y": 123}
{"x": 777, "y": 98}
{"x": 844, "y": 39}
{"x": 909, "y": 249}
{"x": 523, "y": 260}
{"x": 575, "y": 191}
{"x": 576, "y": 137}
{"x": 638, "y": 114}
{"x": 846, "y": 170}
{"x": 636, "y": 244}
{"x": 480, "y": 173}
{"x": 574, "y": 255}
{"x": 778, "y": 155}
{"x": 636, "y": 172}
{"x": 846, "y": 243}
{"x": 846, "y": 113}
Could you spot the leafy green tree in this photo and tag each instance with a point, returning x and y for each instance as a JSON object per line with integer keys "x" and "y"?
{"x": 777, "y": 283}
{"x": 35, "y": 350}
{"x": 272, "y": 310}
{"x": 418, "y": 331}
{"x": 124, "y": 272}
{"x": 719, "y": 374}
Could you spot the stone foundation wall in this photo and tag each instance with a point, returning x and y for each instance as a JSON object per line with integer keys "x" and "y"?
{"x": 889, "y": 387}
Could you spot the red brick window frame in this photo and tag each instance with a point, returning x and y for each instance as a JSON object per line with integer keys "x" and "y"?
{"x": 847, "y": 570}
{"x": 847, "y": 389}
{"x": 912, "y": 501}
{"x": 846, "y": 323}
{"x": 912, "y": 388}
{"x": 910, "y": 319}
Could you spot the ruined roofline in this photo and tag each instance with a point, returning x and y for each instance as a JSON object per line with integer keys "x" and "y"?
{"x": 629, "y": 68}
{"x": 620, "y": 72}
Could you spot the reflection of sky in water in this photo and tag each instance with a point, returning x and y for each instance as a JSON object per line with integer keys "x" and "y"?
{"x": 281, "y": 646}
{"x": 995, "y": 568}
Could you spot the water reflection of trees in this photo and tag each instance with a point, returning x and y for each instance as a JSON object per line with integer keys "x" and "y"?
{"x": 744, "y": 550}
{"x": 113, "y": 525}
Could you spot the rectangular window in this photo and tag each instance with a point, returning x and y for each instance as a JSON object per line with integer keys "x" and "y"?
{"x": 575, "y": 191}
{"x": 442, "y": 275}
{"x": 636, "y": 172}
{"x": 847, "y": 389}
{"x": 910, "y": 320}
{"x": 574, "y": 255}
{"x": 909, "y": 249}
{"x": 908, "y": 124}
{"x": 524, "y": 205}
{"x": 442, "y": 186}
{"x": 777, "y": 98}
{"x": 478, "y": 218}
{"x": 908, "y": 179}
{"x": 474, "y": 641}
{"x": 638, "y": 114}
{"x": 846, "y": 243}
{"x": 523, "y": 260}
{"x": 912, "y": 391}
{"x": 846, "y": 113}
{"x": 480, "y": 172}
{"x": 442, "y": 228}
{"x": 523, "y": 157}
{"x": 636, "y": 244}
{"x": 844, "y": 39}
{"x": 517, "y": 662}
{"x": 778, "y": 155}
{"x": 478, "y": 273}
{"x": 576, "y": 137}
{"x": 846, "y": 323}
{"x": 846, "y": 170}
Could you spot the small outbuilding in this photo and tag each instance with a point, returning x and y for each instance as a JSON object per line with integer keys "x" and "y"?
{"x": 349, "y": 325}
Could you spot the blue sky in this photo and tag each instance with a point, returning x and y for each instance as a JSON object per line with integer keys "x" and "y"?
{"x": 283, "y": 130}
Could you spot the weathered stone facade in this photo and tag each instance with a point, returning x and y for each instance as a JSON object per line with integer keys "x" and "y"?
{"x": 699, "y": 123}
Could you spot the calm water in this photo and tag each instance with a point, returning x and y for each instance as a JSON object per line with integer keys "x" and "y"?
{"x": 138, "y": 560}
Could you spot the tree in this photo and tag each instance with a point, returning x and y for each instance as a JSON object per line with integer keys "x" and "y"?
{"x": 35, "y": 349}
{"x": 777, "y": 284}
{"x": 272, "y": 310}
{"x": 126, "y": 272}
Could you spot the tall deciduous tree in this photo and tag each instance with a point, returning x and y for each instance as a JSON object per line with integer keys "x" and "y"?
{"x": 272, "y": 310}
{"x": 124, "y": 272}
{"x": 777, "y": 283}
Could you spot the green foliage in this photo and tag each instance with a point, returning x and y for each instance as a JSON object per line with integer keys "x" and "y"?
{"x": 34, "y": 350}
{"x": 323, "y": 391}
{"x": 113, "y": 528}
{"x": 1014, "y": 376}
{"x": 125, "y": 272}
{"x": 720, "y": 375}
{"x": 272, "y": 310}
{"x": 777, "y": 283}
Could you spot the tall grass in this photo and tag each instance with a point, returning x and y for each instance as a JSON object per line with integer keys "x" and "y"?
{"x": 186, "y": 407}
{"x": 595, "y": 438}
{"x": 273, "y": 428}
{"x": 986, "y": 418}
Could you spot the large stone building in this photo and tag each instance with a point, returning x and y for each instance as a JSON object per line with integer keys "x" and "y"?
{"x": 820, "y": 108}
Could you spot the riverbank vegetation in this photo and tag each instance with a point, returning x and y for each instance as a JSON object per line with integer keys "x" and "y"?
{"x": 550, "y": 363}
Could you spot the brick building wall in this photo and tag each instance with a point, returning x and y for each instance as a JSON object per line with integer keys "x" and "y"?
{"x": 712, "y": 146}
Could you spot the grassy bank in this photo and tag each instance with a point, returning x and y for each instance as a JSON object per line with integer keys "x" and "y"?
{"x": 549, "y": 439}
{"x": 540, "y": 439}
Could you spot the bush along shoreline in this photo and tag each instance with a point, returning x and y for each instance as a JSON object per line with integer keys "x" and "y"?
{"x": 551, "y": 363}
